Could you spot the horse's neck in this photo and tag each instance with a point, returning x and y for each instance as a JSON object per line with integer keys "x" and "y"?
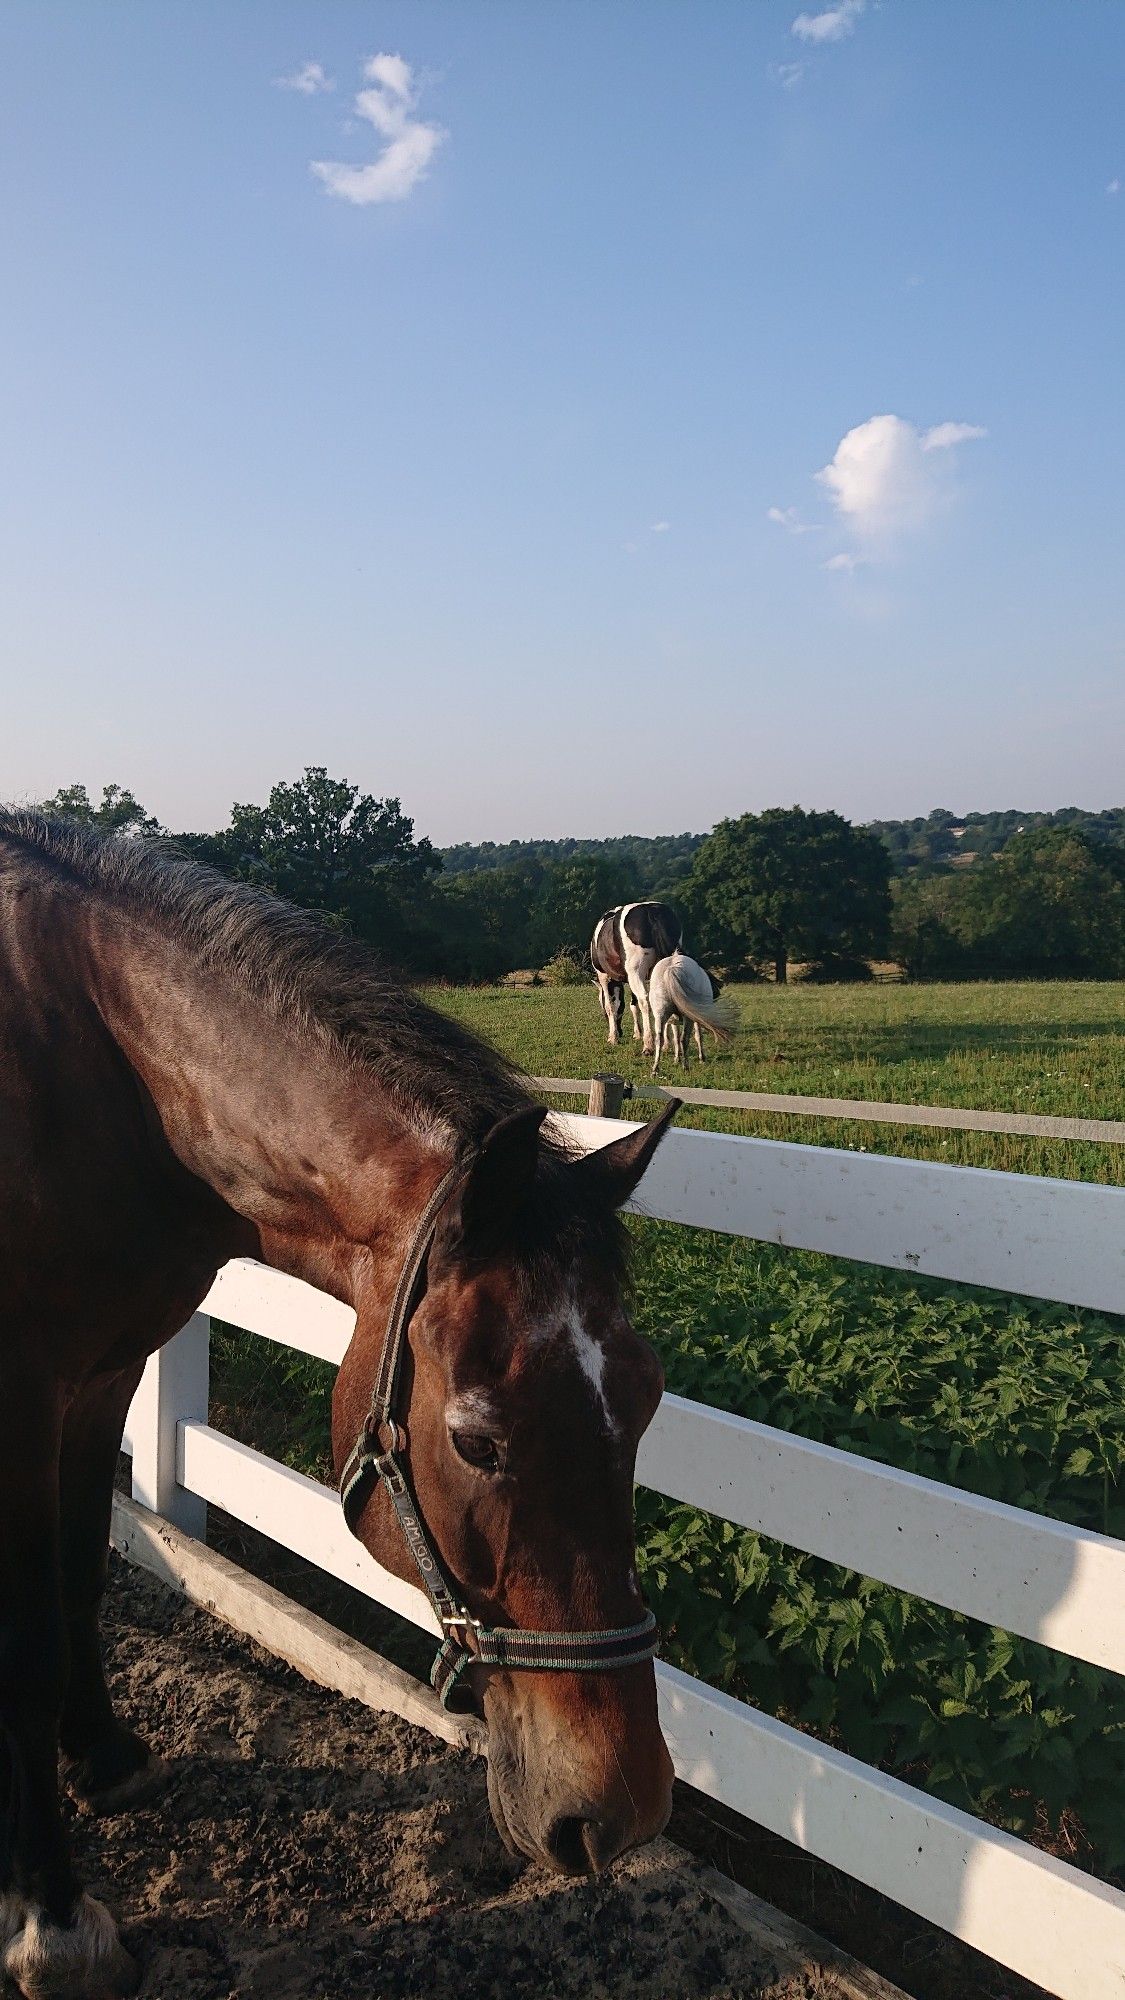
{"x": 296, "y": 1138}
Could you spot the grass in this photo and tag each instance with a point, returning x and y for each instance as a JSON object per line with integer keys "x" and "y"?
{"x": 1043, "y": 1047}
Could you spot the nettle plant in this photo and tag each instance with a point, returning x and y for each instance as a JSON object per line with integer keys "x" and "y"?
{"x": 1017, "y": 1400}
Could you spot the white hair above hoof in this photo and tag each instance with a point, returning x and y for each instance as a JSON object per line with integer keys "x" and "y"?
{"x": 83, "y": 1960}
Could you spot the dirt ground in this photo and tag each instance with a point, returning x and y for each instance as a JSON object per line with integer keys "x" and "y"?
{"x": 307, "y": 1848}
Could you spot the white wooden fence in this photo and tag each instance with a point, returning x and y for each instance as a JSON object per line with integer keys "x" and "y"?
{"x": 858, "y": 1110}
{"x": 1062, "y": 1586}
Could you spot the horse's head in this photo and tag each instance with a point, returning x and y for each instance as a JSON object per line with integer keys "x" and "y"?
{"x": 525, "y": 1393}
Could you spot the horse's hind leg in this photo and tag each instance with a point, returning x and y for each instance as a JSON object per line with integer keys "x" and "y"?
{"x": 609, "y": 993}
{"x": 658, "y": 1021}
{"x": 106, "y": 1764}
{"x": 56, "y": 1943}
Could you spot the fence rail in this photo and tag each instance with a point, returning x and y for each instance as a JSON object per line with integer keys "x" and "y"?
{"x": 946, "y": 1117}
{"x": 1052, "y": 1583}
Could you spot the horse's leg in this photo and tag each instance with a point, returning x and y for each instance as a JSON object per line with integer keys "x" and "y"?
{"x": 635, "y": 1012}
{"x": 698, "y": 1040}
{"x": 611, "y": 1006}
{"x": 639, "y": 965}
{"x": 106, "y": 1763}
{"x": 658, "y": 1022}
{"x": 57, "y": 1942}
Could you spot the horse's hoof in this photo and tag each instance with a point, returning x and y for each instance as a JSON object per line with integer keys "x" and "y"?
{"x": 140, "y": 1788}
{"x": 116, "y": 1772}
{"x": 83, "y": 1960}
{"x": 118, "y": 1795}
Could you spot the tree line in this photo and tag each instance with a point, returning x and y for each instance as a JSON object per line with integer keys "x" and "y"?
{"x": 757, "y": 894}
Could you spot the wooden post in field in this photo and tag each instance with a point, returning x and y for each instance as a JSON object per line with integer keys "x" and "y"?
{"x": 606, "y": 1095}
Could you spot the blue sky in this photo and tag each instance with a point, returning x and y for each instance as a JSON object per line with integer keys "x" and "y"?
{"x": 466, "y": 438}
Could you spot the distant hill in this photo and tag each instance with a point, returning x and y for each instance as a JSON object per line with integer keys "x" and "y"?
{"x": 941, "y": 841}
{"x": 649, "y": 865}
{"x": 948, "y": 840}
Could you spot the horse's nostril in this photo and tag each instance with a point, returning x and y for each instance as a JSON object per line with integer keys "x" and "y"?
{"x": 567, "y": 1847}
{"x": 582, "y": 1846}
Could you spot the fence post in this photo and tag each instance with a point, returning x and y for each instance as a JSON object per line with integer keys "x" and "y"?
{"x": 606, "y": 1095}
{"x": 173, "y": 1389}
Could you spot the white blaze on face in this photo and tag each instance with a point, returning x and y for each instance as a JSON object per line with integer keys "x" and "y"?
{"x": 590, "y": 1356}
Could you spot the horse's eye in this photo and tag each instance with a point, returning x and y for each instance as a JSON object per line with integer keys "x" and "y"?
{"x": 483, "y": 1452}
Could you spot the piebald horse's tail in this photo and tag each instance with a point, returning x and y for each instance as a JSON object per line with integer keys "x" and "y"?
{"x": 690, "y": 991}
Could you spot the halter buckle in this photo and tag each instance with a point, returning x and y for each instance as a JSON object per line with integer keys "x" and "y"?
{"x": 461, "y": 1621}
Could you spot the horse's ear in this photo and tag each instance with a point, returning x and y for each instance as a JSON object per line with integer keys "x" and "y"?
{"x": 502, "y": 1171}
{"x": 619, "y": 1167}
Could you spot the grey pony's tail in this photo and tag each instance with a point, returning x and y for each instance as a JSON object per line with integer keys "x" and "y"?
{"x": 690, "y": 988}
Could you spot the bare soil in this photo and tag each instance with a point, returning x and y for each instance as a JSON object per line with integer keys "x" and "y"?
{"x": 308, "y": 1848}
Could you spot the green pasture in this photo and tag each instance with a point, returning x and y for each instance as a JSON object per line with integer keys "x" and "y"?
{"x": 1038, "y": 1047}
{"x": 1013, "y": 1398}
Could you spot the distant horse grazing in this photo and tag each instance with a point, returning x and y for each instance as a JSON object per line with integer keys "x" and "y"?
{"x": 192, "y": 1071}
{"x": 680, "y": 991}
{"x": 626, "y": 944}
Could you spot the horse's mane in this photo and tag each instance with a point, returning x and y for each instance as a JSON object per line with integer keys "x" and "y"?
{"x": 301, "y": 971}
{"x": 336, "y": 991}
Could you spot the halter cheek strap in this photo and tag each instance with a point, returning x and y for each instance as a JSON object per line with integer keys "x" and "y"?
{"x": 372, "y": 1459}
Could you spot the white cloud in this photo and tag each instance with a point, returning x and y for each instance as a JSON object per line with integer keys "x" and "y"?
{"x": 788, "y": 75}
{"x": 392, "y": 74}
{"x": 1114, "y": 186}
{"x": 887, "y": 478}
{"x": 941, "y": 436}
{"x": 410, "y": 145}
{"x": 830, "y": 26}
{"x": 843, "y": 561}
{"x": 660, "y": 527}
{"x": 789, "y": 519}
{"x": 310, "y": 80}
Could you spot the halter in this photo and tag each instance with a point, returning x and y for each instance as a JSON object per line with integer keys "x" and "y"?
{"x": 505, "y": 1646}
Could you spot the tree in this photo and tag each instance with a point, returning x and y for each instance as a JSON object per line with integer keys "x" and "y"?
{"x": 789, "y": 884}
{"x": 485, "y": 923}
{"x": 119, "y": 811}
{"x": 926, "y": 924}
{"x": 569, "y": 901}
{"x": 1053, "y": 901}
{"x": 328, "y": 846}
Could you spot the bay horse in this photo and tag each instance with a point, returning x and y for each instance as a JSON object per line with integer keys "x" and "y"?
{"x": 680, "y": 994}
{"x": 627, "y": 942}
{"x": 192, "y": 1070}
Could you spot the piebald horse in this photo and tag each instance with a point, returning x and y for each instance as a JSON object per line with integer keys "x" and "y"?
{"x": 627, "y": 943}
{"x": 191, "y": 1071}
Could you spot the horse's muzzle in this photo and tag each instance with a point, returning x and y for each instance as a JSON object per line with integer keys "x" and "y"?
{"x": 574, "y": 1800}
